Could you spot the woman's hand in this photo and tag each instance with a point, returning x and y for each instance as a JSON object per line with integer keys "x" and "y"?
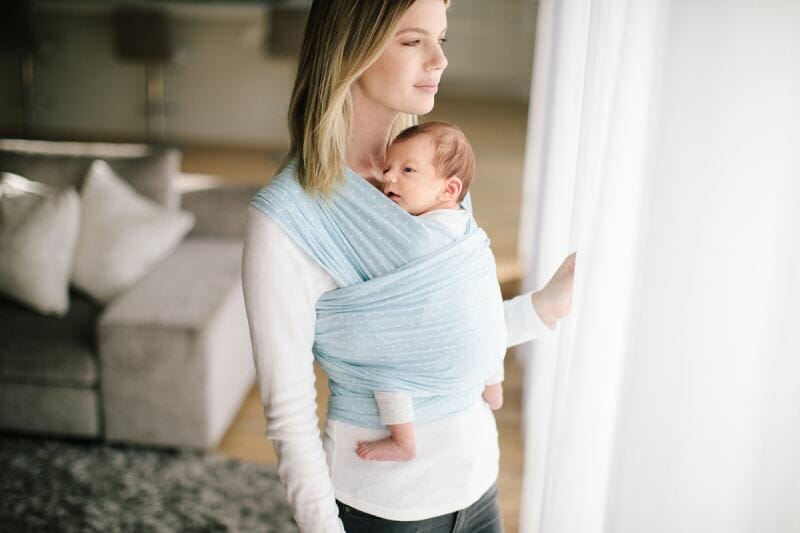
{"x": 554, "y": 300}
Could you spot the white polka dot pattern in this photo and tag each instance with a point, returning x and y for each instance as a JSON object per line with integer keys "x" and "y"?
{"x": 416, "y": 311}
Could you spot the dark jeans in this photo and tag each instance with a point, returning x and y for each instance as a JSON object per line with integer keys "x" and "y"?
{"x": 482, "y": 516}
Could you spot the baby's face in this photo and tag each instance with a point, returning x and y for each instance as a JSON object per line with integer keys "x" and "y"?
{"x": 409, "y": 178}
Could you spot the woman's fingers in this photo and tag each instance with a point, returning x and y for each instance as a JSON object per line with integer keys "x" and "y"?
{"x": 569, "y": 263}
{"x": 561, "y": 285}
{"x": 567, "y": 270}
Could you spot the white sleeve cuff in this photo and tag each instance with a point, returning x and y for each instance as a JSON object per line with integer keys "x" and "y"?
{"x": 394, "y": 407}
{"x": 497, "y": 377}
{"x": 522, "y": 321}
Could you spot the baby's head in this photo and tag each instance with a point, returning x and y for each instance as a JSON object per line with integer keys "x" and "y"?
{"x": 428, "y": 166}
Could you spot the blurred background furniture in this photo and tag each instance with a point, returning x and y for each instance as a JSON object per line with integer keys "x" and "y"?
{"x": 168, "y": 362}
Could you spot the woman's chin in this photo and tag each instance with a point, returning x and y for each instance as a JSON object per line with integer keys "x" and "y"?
{"x": 422, "y": 106}
{"x": 426, "y": 109}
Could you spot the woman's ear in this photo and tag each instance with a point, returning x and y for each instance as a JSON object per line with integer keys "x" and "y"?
{"x": 452, "y": 189}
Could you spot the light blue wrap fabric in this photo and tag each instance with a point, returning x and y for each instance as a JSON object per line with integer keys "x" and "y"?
{"x": 417, "y": 311}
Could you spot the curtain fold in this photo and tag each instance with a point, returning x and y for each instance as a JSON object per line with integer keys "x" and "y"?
{"x": 661, "y": 146}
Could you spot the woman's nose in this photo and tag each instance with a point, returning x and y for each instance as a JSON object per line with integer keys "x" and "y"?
{"x": 437, "y": 61}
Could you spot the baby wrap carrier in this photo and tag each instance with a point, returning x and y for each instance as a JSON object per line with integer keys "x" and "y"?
{"x": 416, "y": 311}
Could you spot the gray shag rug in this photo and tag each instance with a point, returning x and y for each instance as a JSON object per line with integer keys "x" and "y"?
{"x": 71, "y": 485}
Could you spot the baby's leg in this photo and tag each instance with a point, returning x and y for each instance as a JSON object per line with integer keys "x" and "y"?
{"x": 397, "y": 413}
{"x": 400, "y": 445}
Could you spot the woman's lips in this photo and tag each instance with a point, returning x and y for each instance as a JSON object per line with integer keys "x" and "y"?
{"x": 432, "y": 89}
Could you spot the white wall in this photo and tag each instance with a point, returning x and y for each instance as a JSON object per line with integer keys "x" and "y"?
{"x": 79, "y": 86}
{"x": 224, "y": 89}
{"x": 490, "y": 49}
{"x": 227, "y": 89}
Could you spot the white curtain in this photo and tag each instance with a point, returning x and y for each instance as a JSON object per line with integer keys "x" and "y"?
{"x": 664, "y": 146}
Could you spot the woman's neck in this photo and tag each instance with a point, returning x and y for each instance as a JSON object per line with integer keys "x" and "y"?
{"x": 369, "y": 136}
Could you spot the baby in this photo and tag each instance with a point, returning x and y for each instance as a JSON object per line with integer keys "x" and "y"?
{"x": 428, "y": 170}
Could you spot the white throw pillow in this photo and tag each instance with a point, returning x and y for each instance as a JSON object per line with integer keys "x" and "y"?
{"x": 123, "y": 234}
{"x": 39, "y": 228}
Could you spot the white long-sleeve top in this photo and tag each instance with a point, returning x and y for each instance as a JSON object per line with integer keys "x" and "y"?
{"x": 457, "y": 457}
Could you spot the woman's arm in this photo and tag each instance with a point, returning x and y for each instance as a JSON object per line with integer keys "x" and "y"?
{"x": 534, "y": 314}
{"x": 281, "y": 286}
{"x": 523, "y": 323}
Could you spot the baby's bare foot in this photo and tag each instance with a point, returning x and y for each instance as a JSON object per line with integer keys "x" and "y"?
{"x": 386, "y": 450}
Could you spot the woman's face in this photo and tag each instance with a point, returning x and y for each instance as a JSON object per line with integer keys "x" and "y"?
{"x": 405, "y": 78}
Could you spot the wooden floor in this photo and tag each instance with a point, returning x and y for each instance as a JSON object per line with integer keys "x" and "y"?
{"x": 497, "y": 132}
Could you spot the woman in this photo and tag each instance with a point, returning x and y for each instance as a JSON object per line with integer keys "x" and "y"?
{"x": 367, "y": 69}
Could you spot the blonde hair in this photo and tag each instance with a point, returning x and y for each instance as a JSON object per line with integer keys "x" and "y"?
{"x": 342, "y": 39}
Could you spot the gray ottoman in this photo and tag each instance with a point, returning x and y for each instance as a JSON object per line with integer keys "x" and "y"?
{"x": 175, "y": 371}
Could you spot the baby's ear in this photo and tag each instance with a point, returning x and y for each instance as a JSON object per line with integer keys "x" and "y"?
{"x": 452, "y": 188}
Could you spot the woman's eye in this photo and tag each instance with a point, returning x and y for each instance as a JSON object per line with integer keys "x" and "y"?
{"x": 442, "y": 41}
{"x": 412, "y": 43}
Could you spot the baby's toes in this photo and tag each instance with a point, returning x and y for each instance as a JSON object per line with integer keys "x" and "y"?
{"x": 363, "y": 448}
{"x": 365, "y": 453}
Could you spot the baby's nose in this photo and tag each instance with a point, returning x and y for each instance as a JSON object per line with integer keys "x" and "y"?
{"x": 389, "y": 176}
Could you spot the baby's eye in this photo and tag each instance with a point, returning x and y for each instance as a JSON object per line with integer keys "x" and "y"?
{"x": 408, "y": 169}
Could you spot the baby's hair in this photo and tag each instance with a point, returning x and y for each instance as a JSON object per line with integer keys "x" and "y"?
{"x": 454, "y": 155}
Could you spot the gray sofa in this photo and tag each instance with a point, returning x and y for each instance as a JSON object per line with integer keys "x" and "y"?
{"x": 166, "y": 363}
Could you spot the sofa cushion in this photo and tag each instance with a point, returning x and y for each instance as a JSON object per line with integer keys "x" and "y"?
{"x": 184, "y": 291}
{"x": 48, "y": 350}
{"x": 63, "y": 411}
{"x": 39, "y": 228}
{"x": 148, "y": 168}
{"x": 123, "y": 234}
{"x": 219, "y": 211}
